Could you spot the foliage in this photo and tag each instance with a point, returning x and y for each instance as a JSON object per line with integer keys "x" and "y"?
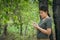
{"x": 18, "y": 15}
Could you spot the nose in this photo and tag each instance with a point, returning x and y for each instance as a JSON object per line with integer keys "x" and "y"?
{"x": 40, "y": 14}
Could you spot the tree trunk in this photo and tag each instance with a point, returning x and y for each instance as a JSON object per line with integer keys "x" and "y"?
{"x": 5, "y": 29}
{"x": 43, "y": 3}
{"x": 56, "y": 16}
{"x": 21, "y": 24}
{"x": 0, "y": 28}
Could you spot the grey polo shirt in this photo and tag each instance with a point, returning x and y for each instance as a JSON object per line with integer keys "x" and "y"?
{"x": 47, "y": 23}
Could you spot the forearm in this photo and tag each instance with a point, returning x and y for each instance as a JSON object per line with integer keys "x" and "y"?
{"x": 47, "y": 31}
{"x": 43, "y": 30}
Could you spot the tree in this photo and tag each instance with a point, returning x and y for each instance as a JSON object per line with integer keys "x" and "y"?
{"x": 56, "y": 16}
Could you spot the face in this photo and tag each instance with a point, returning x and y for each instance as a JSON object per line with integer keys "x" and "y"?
{"x": 43, "y": 14}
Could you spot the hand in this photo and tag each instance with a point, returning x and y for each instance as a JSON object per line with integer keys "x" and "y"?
{"x": 35, "y": 25}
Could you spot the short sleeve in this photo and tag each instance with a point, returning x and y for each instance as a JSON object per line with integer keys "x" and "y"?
{"x": 49, "y": 23}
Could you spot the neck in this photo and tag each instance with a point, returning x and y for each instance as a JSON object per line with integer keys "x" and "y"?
{"x": 46, "y": 17}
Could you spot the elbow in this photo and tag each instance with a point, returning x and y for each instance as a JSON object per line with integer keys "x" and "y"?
{"x": 48, "y": 33}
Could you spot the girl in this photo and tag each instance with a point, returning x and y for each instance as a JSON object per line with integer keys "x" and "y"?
{"x": 44, "y": 27}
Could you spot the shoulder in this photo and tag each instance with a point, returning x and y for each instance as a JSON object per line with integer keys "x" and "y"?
{"x": 49, "y": 19}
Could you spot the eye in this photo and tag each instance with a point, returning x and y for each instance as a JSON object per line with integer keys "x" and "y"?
{"x": 41, "y": 12}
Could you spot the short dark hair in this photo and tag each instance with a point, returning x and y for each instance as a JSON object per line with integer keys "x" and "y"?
{"x": 44, "y": 8}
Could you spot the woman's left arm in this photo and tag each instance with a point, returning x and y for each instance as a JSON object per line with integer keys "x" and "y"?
{"x": 48, "y": 30}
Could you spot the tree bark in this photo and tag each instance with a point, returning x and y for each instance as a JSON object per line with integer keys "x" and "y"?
{"x": 43, "y": 3}
{"x": 56, "y": 16}
{"x": 5, "y": 29}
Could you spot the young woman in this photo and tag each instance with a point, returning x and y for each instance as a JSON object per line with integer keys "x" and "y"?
{"x": 44, "y": 27}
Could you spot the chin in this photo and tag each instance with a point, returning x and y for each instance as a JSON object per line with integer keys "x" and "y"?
{"x": 42, "y": 17}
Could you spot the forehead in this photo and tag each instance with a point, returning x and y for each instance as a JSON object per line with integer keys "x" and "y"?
{"x": 41, "y": 11}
